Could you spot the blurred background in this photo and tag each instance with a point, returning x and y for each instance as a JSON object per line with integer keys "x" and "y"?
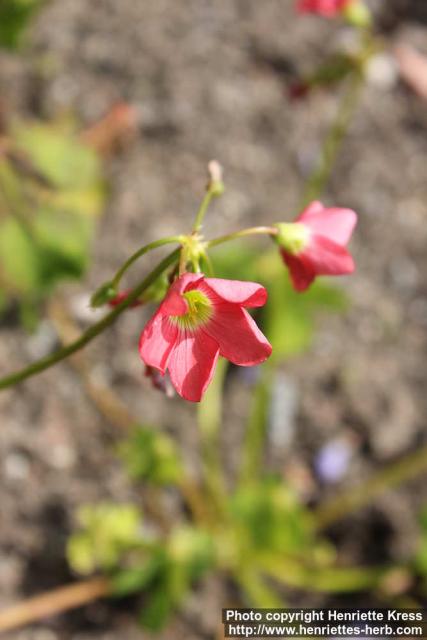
{"x": 122, "y": 104}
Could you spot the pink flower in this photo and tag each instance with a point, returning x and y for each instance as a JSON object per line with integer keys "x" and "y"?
{"x": 315, "y": 244}
{"x": 199, "y": 320}
{"x": 328, "y": 8}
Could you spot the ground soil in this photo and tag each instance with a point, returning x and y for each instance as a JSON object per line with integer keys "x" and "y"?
{"x": 209, "y": 81}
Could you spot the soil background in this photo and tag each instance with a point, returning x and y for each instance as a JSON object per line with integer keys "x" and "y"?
{"x": 209, "y": 80}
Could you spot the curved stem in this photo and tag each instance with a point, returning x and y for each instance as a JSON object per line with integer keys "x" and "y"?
{"x": 97, "y": 328}
{"x": 93, "y": 331}
{"x": 317, "y": 181}
{"x": 145, "y": 249}
{"x": 251, "y": 231}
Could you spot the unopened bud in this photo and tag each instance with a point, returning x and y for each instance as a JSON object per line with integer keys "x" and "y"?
{"x": 215, "y": 183}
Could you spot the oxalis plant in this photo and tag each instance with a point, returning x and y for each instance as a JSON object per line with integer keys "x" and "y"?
{"x": 258, "y": 534}
{"x": 201, "y": 324}
{"x": 253, "y": 532}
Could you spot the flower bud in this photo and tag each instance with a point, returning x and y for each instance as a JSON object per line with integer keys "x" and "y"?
{"x": 215, "y": 184}
{"x": 292, "y": 236}
{"x": 103, "y": 295}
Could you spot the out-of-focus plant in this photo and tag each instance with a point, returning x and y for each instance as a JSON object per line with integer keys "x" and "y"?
{"x": 258, "y": 535}
{"x": 51, "y": 193}
{"x": 14, "y": 18}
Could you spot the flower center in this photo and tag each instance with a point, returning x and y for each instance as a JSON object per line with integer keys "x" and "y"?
{"x": 293, "y": 237}
{"x": 199, "y": 310}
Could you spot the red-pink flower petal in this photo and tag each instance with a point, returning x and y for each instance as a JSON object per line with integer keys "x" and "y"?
{"x": 192, "y": 364}
{"x": 332, "y": 222}
{"x": 157, "y": 340}
{"x": 238, "y": 336}
{"x": 246, "y": 294}
{"x": 301, "y": 271}
{"x": 327, "y": 8}
{"x": 173, "y": 305}
{"x": 327, "y": 257}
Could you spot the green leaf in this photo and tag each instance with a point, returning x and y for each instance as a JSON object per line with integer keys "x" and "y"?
{"x": 46, "y": 231}
{"x": 136, "y": 579}
{"x": 107, "y": 531}
{"x": 14, "y": 18}
{"x": 268, "y": 517}
{"x": 157, "y": 610}
{"x": 152, "y": 456}
{"x": 19, "y": 262}
{"x": 58, "y": 154}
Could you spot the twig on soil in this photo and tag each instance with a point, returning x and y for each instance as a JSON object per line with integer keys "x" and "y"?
{"x": 53, "y": 602}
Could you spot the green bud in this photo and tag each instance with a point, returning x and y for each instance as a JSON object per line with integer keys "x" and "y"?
{"x": 357, "y": 14}
{"x": 217, "y": 188}
{"x": 104, "y": 294}
{"x": 293, "y": 236}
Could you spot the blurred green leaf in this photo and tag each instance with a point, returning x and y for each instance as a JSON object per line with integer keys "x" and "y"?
{"x": 46, "y": 232}
{"x": 269, "y": 518}
{"x": 190, "y": 553}
{"x": 152, "y": 456}
{"x": 14, "y": 18}
{"x": 137, "y": 578}
{"x": 157, "y": 610}
{"x": 19, "y": 258}
{"x": 57, "y": 153}
{"x": 106, "y": 532}
{"x": 421, "y": 554}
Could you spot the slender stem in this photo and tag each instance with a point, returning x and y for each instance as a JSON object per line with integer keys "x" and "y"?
{"x": 93, "y": 331}
{"x": 331, "y": 146}
{"x": 54, "y": 602}
{"x": 209, "y": 418}
{"x": 145, "y": 249}
{"x": 253, "y": 447}
{"x": 402, "y": 471}
{"x": 209, "y": 195}
{"x": 328, "y": 579}
{"x": 257, "y": 590}
{"x": 252, "y": 231}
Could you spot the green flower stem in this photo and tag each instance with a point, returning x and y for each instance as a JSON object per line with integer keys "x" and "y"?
{"x": 97, "y": 328}
{"x": 93, "y": 331}
{"x": 251, "y": 231}
{"x": 331, "y": 146}
{"x": 143, "y": 250}
{"x": 328, "y": 579}
{"x": 258, "y": 592}
{"x": 253, "y": 446}
{"x": 209, "y": 195}
{"x": 397, "y": 473}
{"x": 210, "y": 418}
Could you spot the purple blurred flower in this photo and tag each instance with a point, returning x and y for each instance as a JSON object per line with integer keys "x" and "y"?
{"x": 332, "y": 460}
